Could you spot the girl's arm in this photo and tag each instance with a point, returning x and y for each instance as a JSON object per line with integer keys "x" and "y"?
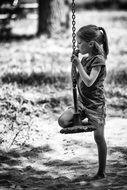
{"x": 87, "y": 79}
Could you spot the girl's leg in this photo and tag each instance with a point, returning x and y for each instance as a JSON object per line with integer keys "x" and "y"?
{"x": 66, "y": 119}
{"x": 102, "y": 150}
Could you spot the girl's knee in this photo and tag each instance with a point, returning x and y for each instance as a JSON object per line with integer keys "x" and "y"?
{"x": 65, "y": 119}
{"x": 63, "y": 122}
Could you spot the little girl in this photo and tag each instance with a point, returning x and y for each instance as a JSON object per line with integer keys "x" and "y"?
{"x": 91, "y": 72}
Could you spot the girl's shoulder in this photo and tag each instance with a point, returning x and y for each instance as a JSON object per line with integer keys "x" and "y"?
{"x": 100, "y": 57}
{"x": 98, "y": 60}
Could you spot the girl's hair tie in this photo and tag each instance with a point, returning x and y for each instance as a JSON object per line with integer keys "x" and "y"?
{"x": 100, "y": 28}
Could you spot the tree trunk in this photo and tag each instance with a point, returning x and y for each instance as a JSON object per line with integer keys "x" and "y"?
{"x": 52, "y": 16}
{"x": 44, "y": 15}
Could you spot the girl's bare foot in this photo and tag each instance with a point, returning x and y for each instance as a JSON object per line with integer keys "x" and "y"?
{"x": 97, "y": 177}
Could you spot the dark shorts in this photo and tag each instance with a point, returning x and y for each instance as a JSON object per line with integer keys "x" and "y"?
{"x": 96, "y": 117}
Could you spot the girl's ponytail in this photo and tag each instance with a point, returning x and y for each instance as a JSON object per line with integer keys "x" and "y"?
{"x": 105, "y": 41}
{"x": 96, "y": 48}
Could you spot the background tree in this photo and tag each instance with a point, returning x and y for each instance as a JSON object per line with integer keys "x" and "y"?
{"x": 52, "y": 15}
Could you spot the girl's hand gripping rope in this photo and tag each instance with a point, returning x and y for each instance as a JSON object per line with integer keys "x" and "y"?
{"x": 74, "y": 59}
{"x": 74, "y": 72}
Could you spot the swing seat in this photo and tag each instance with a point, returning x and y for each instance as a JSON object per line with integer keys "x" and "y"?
{"x": 78, "y": 129}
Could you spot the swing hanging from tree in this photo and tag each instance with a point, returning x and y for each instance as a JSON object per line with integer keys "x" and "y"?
{"x": 78, "y": 126}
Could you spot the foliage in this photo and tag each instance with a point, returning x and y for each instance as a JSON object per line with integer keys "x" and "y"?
{"x": 16, "y": 115}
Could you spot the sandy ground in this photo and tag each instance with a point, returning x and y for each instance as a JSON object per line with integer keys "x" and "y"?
{"x": 50, "y": 160}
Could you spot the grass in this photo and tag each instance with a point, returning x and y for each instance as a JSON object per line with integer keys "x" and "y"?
{"x": 117, "y": 76}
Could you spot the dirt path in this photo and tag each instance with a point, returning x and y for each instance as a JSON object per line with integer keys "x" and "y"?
{"x": 51, "y": 161}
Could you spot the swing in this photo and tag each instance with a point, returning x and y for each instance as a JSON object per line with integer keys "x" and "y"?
{"x": 78, "y": 126}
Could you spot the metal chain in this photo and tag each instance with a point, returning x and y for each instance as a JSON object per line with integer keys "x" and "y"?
{"x": 73, "y": 72}
{"x": 73, "y": 26}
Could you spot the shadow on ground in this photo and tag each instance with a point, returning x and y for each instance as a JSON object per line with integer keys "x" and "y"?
{"x": 15, "y": 175}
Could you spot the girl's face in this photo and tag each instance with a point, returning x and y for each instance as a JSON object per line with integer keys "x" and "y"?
{"x": 82, "y": 46}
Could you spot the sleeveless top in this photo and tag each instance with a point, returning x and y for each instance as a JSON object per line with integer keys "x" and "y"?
{"x": 92, "y": 97}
